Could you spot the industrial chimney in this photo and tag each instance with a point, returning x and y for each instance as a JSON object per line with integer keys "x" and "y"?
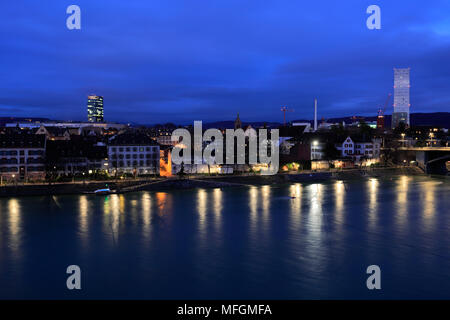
{"x": 315, "y": 114}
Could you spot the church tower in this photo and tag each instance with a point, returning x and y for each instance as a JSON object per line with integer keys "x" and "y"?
{"x": 237, "y": 122}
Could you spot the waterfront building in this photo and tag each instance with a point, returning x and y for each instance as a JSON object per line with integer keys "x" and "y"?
{"x": 358, "y": 148}
{"x": 320, "y": 165}
{"x": 289, "y": 134}
{"x": 133, "y": 153}
{"x": 22, "y": 157}
{"x": 401, "y": 97}
{"x": 317, "y": 150}
{"x": 80, "y": 155}
{"x": 95, "y": 108}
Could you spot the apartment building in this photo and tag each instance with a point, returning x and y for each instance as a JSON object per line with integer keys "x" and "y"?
{"x": 359, "y": 148}
{"x": 22, "y": 156}
{"x": 133, "y": 153}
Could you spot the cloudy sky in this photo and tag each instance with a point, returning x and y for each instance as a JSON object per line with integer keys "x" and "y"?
{"x": 179, "y": 61}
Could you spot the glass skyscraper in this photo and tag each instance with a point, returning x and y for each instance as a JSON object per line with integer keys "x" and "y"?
{"x": 95, "y": 109}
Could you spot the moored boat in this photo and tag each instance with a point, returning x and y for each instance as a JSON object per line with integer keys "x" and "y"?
{"x": 102, "y": 191}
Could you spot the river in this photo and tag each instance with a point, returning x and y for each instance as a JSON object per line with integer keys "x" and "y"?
{"x": 298, "y": 241}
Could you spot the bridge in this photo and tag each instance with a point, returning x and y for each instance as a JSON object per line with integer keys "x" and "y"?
{"x": 433, "y": 160}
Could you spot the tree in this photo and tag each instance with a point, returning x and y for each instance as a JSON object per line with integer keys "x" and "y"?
{"x": 420, "y": 144}
{"x": 181, "y": 172}
{"x": 339, "y": 132}
{"x": 401, "y": 128}
{"x": 330, "y": 151}
{"x": 365, "y": 130}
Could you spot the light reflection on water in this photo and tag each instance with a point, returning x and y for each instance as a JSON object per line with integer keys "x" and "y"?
{"x": 295, "y": 207}
{"x": 429, "y": 205}
{"x": 14, "y": 223}
{"x": 373, "y": 202}
{"x": 217, "y": 210}
{"x": 294, "y": 241}
{"x": 146, "y": 209}
{"x": 84, "y": 216}
{"x": 401, "y": 205}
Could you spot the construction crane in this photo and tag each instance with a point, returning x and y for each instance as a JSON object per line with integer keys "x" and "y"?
{"x": 285, "y": 109}
{"x": 380, "y": 118}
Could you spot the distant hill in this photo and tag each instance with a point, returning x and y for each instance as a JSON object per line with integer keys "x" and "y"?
{"x": 439, "y": 119}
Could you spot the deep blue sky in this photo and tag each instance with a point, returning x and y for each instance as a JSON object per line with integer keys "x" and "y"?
{"x": 179, "y": 61}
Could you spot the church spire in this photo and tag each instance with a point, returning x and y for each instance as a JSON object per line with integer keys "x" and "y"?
{"x": 237, "y": 122}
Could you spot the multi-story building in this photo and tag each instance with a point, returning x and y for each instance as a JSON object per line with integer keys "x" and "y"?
{"x": 54, "y": 133}
{"x": 77, "y": 156}
{"x": 317, "y": 150}
{"x": 359, "y": 148}
{"x": 165, "y": 139}
{"x": 22, "y": 156}
{"x": 95, "y": 109}
{"x": 401, "y": 97}
{"x": 133, "y": 153}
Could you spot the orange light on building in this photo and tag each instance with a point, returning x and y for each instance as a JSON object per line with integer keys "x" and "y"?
{"x": 165, "y": 168}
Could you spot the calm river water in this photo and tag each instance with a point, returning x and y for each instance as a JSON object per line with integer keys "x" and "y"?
{"x": 300, "y": 241}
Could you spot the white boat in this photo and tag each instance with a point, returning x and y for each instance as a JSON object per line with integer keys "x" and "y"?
{"x": 102, "y": 191}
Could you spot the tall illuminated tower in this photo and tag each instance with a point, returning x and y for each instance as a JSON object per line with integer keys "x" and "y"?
{"x": 401, "y": 97}
{"x": 95, "y": 109}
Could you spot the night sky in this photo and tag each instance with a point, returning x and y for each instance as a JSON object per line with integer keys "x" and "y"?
{"x": 157, "y": 61}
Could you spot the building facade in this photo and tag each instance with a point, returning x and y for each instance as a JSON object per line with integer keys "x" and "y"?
{"x": 165, "y": 139}
{"x": 317, "y": 150}
{"x": 95, "y": 109}
{"x": 22, "y": 157}
{"x": 135, "y": 154}
{"x": 401, "y": 97}
{"x": 54, "y": 133}
{"x": 77, "y": 156}
{"x": 357, "y": 149}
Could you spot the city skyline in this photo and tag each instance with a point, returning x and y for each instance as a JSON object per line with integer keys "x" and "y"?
{"x": 155, "y": 65}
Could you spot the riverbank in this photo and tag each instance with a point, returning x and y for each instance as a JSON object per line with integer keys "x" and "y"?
{"x": 201, "y": 181}
{"x": 284, "y": 178}
{"x": 69, "y": 187}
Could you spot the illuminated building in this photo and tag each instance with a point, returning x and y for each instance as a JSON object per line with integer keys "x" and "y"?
{"x": 95, "y": 109}
{"x": 134, "y": 154}
{"x": 22, "y": 156}
{"x": 401, "y": 97}
{"x": 360, "y": 148}
{"x": 79, "y": 155}
{"x": 317, "y": 150}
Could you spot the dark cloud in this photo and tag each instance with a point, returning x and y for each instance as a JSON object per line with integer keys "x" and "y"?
{"x": 159, "y": 61}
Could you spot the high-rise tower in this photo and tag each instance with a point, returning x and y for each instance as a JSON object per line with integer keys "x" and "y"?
{"x": 401, "y": 97}
{"x": 95, "y": 109}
